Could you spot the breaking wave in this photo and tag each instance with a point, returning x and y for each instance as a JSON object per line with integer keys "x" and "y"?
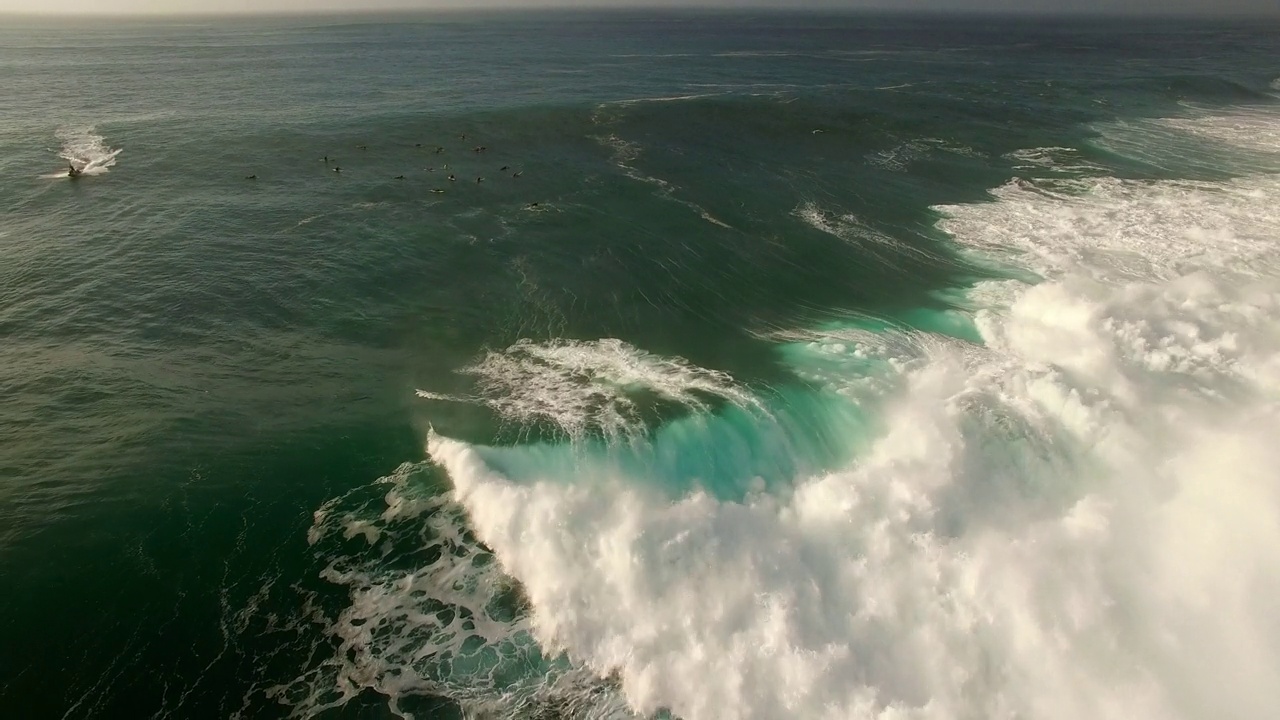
{"x": 1075, "y": 516}
{"x": 1201, "y": 142}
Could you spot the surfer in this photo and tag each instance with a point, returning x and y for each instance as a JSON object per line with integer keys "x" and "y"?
{"x": 250, "y": 177}
{"x": 337, "y": 169}
{"x": 517, "y": 174}
{"x": 72, "y": 172}
{"x": 452, "y": 178}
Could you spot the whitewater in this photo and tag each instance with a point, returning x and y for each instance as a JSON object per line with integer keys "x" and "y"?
{"x": 1076, "y": 515}
{"x": 86, "y": 150}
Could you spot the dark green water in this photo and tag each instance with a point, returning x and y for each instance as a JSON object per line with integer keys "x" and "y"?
{"x": 708, "y": 257}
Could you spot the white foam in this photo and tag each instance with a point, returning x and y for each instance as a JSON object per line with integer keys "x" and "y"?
{"x": 587, "y": 387}
{"x": 667, "y": 98}
{"x": 655, "y": 55}
{"x": 443, "y": 397}
{"x": 900, "y": 157}
{"x": 1127, "y": 230}
{"x": 1081, "y": 519}
{"x": 1245, "y": 140}
{"x": 450, "y": 625}
{"x": 1251, "y": 129}
{"x": 1055, "y": 159}
{"x": 860, "y": 364}
{"x": 85, "y": 149}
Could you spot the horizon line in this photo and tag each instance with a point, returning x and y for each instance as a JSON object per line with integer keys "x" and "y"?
{"x": 555, "y": 6}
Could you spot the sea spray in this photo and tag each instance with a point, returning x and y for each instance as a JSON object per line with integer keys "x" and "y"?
{"x": 86, "y": 150}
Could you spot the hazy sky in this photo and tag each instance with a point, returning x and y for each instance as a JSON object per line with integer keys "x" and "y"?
{"x": 1270, "y": 7}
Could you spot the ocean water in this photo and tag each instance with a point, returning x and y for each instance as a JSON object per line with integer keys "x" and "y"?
{"x": 759, "y": 366}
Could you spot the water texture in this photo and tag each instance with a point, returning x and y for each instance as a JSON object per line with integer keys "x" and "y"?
{"x": 704, "y": 366}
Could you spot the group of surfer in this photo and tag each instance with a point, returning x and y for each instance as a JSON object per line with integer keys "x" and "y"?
{"x": 437, "y": 150}
{"x": 75, "y": 172}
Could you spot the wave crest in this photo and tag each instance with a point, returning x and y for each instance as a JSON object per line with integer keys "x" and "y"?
{"x": 1064, "y": 523}
{"x": 592, "y": 387}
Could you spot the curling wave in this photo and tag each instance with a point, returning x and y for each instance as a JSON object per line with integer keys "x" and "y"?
{"x": 1076, "y": 516}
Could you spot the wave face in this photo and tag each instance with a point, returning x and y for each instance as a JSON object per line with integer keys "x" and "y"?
{"x": 1074, "y": 513}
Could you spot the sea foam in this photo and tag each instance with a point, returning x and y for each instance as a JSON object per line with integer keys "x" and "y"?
{"x": 585, "y": 388}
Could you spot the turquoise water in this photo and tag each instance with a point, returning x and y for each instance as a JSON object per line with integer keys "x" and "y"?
{"x": 779, "y": 365}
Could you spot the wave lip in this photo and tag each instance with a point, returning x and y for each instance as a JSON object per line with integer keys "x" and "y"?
{"x": 591, "y": 387}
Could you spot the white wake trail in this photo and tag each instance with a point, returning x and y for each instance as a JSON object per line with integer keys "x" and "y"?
{"x": 86, "y": 150}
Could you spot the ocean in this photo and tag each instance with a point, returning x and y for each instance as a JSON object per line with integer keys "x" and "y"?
{"x": 687, "y": 365}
